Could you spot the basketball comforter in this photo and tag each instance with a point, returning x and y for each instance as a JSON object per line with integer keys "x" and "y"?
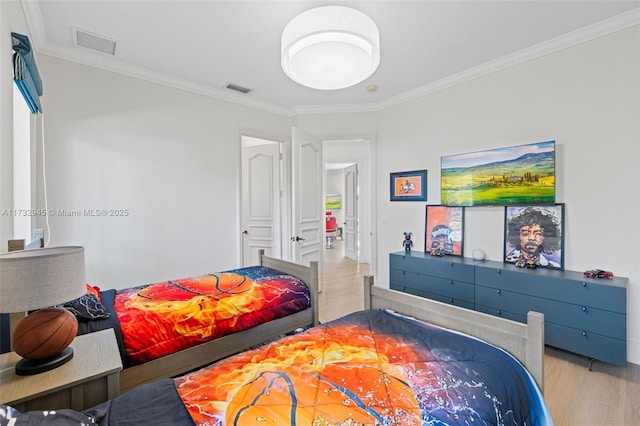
{"x": 158, "y": 319}
{"x": 368, "y": 368}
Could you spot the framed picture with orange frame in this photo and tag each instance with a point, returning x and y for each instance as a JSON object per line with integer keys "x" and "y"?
{"x": 444, "y": 231}
{"x": 409, "y": 186}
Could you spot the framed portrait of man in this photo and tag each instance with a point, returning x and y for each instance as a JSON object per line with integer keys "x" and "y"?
{"x": 444, "y": 231}
{"x": 534, "y": 236}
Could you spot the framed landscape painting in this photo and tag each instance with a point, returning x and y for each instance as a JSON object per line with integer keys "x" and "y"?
{"x": 409, "y": 186}
{"x": 333, "y": 202}
{"x": 534, "y": 236}
{"x": 523, "y": 174}
{"x": 444, "y": 230}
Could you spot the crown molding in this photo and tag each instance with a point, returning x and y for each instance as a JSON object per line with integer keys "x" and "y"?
{"x": 108, "y": 63}
{"x": 339, "y": 108}
{"x": 599, "y": 29}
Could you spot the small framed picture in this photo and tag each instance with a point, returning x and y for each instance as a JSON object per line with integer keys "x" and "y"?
{"x": 444, "y": 231}
{"x": 409, "y": 186}
{"x": 333, "y": 202}
{"x": 534, "y": 236}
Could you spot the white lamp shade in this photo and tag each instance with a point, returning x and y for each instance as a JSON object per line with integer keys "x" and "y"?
{"x": 330, "y": 47}
{"x": 34, "y": 279}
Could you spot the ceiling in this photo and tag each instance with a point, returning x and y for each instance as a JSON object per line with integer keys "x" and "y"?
{"x": 202, "y": 45}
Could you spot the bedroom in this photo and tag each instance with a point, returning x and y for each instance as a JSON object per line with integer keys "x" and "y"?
{"x": 182, "y": 151}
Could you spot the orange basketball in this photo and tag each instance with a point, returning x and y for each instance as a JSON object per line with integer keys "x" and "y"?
{"x": 44, "y": 333}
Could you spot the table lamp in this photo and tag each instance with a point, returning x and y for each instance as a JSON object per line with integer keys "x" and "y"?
{"x": 35, "y": 279}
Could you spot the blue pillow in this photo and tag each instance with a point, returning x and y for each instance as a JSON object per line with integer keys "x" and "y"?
{"x": 87, "y": 307}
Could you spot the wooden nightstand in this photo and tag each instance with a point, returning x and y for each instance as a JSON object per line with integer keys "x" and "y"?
{"x": 91, "y": 377}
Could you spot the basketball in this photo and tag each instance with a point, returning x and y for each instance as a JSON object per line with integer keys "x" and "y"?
{"x": 44, "y": 333}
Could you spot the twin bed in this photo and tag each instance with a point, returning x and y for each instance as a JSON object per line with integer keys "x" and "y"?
{"x": 171, "y": 327}
{"x": 398, "y": 362}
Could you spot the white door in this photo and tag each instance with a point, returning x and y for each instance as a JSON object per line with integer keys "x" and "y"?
{"x": 260, "y": 200}
{"x": 307, "y": 207}
{"x": 350, "y": 226}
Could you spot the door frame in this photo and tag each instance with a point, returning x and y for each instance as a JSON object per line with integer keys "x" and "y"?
{"x": 367, "y": 173}
{"x": 361, "y": 151}
{"x": 285, "y": 187}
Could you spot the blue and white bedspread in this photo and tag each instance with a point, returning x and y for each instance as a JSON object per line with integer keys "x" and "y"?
{"x": 368, "y": 368}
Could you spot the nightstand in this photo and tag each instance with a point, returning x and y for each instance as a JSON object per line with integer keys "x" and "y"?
{"x": 90, "y": 378}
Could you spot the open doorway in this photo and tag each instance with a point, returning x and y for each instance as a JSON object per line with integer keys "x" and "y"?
{"x": 348, "y": 164}
{"x": 341, "y": 209}
{"x": 265, "y": 219}
{"x": 348, "y": 177}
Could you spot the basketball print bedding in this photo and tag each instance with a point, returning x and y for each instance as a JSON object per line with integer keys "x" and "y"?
{"x": 158, "y": 319}
{"x": 170, "y": 327}
{"x": 371, "y": 367}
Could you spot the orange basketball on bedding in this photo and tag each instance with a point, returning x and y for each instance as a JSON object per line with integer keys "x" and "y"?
{"x": 44, "y": 333}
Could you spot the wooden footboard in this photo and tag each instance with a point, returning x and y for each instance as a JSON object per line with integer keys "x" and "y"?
{"x": 524, "y": 341}
{"x": 206, "y": 353}
{"x": 308, "y": 274}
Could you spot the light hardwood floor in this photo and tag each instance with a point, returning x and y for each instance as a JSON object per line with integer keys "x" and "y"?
{"x": 607, "y": 395}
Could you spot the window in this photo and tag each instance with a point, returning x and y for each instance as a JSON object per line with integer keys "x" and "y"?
{"x": 22, "y": 188}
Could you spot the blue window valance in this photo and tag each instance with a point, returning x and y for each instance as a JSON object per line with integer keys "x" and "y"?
{"x": 25, "y": 72}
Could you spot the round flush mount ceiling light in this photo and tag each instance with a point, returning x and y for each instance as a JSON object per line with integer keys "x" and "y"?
{"x": 330, "y": 48}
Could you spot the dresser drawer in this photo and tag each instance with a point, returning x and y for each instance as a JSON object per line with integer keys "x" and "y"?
{"x": 586, "y": 343}
{"x": 583, "y": 315}
{"x": 396, "y": 276}
{"x": 451, "y": 268}
{"x": 492, "y": 310}
{"x": 439, "y": 297}
{"x": 543, "y": 284}
{"x": 612, "y": 324}
{"x": 447, "y": 288}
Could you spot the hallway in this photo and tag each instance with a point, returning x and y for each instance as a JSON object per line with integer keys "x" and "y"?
{"x": 343, "y": 284}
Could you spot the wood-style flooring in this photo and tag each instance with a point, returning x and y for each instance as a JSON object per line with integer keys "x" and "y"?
{"x": 607, "y": 395}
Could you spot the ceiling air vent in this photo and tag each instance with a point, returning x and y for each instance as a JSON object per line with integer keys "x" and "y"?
{"x": 237, "y": 88}
{"x": 93, "y": 41}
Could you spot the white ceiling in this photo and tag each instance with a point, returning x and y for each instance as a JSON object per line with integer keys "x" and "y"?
{"x": 425, "y": 45}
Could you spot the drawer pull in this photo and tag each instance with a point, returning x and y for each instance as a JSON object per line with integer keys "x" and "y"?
{"x": 498, "y": 291}
{"x": 451, "y": 282}
{"x": 451, "y": 264}
{"x": 450, "y": 300}
{"x": 584, "y": 284}
{"x": 498, "y": 271}
{"x": 584, "y": 334}
{"x": 584, "y": 309}
{"x": 499, "y": 312}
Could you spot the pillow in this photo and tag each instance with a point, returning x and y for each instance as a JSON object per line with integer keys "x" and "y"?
{"x": 95, "y": 290}
{"x": 89, "y": 306}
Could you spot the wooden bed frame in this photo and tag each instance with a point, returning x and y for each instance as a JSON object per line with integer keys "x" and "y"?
{"x": 524, "y": 341}
{"x": 206, "y": 353}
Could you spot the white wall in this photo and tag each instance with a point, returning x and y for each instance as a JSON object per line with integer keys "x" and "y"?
{"x": 587, "y": 99}
{"x": 168, "y": 159}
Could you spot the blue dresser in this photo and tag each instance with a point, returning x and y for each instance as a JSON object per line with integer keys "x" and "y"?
{"x": 582, "y": 315}
{"x": 449, "y": 280}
